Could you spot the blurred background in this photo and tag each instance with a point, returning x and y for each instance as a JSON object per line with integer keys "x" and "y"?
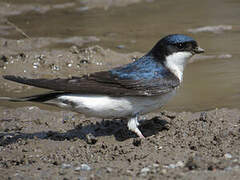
{"x": 211, "y": 81}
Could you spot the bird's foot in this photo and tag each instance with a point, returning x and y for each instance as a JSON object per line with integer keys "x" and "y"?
{"x": 133, "y": 126}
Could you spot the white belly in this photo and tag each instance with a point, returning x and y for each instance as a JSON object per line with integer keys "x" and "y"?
{"x": 111, "y": 107}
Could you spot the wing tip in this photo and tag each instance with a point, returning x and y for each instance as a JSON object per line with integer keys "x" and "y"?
{"x": 14, "y": 78}
{"x": 9, "y": 77}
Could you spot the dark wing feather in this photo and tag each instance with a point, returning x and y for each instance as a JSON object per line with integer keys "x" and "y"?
{"x": 104, "y": 83}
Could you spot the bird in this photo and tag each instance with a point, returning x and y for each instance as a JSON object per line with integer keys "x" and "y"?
{"x": 128, "y": 91}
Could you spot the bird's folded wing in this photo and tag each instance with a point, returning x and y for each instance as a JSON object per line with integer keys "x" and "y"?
{"x": 103, "y": 83}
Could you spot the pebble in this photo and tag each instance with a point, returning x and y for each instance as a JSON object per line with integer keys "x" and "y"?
{"x": 66, "y": 166}
{"x": 155, "y": 165}
{"x": 35, "y": 65}
{"x": 144, "y": 171}
{"x": 109, "y": 169}
{"x": 228, "y": 156}
{"x": 178, "y": 164}
{"x": 85, "y": 167}
{"x": 99, "y": 64}
{"x": 77, "y": 168}
{"x": 84, "y": 61}
{"x": 54, "y": 67}
{"x": 171, "y": 166}
{"x": 91, "y": 139}
{"x": 129, "y": 172}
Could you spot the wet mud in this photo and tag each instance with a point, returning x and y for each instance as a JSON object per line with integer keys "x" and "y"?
{"x": 183, "y": 141}
{"x": 40, "y": 142}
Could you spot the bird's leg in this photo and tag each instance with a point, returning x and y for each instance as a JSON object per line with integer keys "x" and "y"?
{"x": 133, "y": 125}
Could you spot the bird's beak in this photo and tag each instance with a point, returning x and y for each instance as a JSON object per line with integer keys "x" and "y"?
{"x": 198, "y": 50}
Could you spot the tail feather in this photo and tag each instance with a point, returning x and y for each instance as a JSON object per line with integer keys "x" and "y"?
{"x": 12, "y": 99}
{"x": 35, "y": 98}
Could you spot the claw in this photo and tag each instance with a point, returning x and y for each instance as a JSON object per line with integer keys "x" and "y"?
{"x": 133, "y": 126}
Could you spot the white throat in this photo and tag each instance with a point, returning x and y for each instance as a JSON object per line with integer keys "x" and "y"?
{"x": 176, "y": 63}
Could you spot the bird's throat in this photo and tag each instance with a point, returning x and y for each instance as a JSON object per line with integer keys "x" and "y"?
{"x": 176, "y": 63}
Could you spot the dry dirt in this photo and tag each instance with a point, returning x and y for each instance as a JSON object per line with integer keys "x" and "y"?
{"x": 50, "y": 143}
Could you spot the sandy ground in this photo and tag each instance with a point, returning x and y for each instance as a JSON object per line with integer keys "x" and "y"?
{"x": 40, "y": 142}
{"x": 49, "y": 143}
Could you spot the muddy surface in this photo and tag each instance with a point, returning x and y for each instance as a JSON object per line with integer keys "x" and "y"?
{"x": 182, "y": 141}
{"x": 39, "y": 144}
{"x": 49, "y": 143}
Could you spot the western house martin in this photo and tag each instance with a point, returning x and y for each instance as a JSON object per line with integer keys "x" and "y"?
{"x": 123, "y": 92}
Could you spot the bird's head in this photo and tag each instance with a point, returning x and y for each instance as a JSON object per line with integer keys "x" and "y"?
{"x": 174, "y": 51}
{"x": 176, "y": 44}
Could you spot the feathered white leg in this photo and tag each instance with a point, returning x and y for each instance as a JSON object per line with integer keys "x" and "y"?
{"x": 133, "y": 126}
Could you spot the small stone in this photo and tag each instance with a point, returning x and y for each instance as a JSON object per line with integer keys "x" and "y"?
{"x": 144, "y": 171}
{"x": 91, "y": 139}
{"x": 85, "y": 167}
{"x": 129, "y": 172}
{"x": 54, "y": 67}
{"x": 99, "y": 64}
{"x": 77, "y": 169}
{"x": 22, "y": 55}
{"x": 74, "y": 50}
{"x": 109, "y": 169}
{"x": 66, "y": 166}
{"x": 84, "y": 61}
{"x": 35, "y": 65}
{"x": 24, "y": 150}
{"x": 180, "y": 164}
{"x": 228, "y": 156}
{"x": 172, "y": 166}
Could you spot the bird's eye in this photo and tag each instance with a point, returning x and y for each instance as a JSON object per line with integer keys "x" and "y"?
{"x": 180, "y": 45}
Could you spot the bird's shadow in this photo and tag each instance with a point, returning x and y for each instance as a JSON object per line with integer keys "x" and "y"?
{"x": 90, "y": 133}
